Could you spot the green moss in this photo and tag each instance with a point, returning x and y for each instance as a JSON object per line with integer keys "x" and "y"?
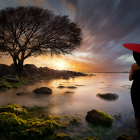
{"x": 99, "y": 117}
{"x": 10, "y": 122}
{"x": 74, "y": 121}
{"x": 22, "y": 81}
{"x": 13, "y": 108}
{"x": 125, "y": 137}
{"x": 37, "y": 122}
{"x": 62, "y": 136}
{"x": 45, "y": 117}
{"x": 56, "y": 118}
{"x": 32, "y": 133}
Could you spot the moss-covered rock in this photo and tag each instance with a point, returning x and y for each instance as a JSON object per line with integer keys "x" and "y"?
{"x": 13, "y": 108}
{"x": 10, "y": 122}
{"x": 99, "y": 117}
{"x": 74, "y": 121}
{"x": 62, "y": 136}
{"x": 125, "y": 137}
{"x": 38, "y": 129}
{"x": 31, "y": 134}
{"x": 45, "y": 117}
{"x": 56, "y": 118}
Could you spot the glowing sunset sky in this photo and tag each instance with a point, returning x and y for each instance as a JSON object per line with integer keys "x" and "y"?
{"x": 108, "y": 25}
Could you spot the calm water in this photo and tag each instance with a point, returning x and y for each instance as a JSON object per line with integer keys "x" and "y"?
{"x": 82, "y": 100}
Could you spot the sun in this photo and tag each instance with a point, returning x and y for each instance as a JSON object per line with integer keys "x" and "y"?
{"x": 60, "y": 65}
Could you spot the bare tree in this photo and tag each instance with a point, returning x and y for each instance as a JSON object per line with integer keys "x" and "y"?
{"x": 32, "y": 31}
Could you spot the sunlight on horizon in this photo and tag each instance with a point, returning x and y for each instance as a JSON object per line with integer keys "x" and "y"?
{"x": 60, "y": 65}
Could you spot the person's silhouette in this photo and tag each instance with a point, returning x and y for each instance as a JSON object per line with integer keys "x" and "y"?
{"x": 135, "y": 88}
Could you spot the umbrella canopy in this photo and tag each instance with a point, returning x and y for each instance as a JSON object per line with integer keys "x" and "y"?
{"x": 132, "y": 46}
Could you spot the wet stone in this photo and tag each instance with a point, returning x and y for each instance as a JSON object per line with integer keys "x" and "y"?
{"x": 108, "y": 96}
{"x": 71, "y": 87}
{"x": 117, "y": 116}
{"x": 61, "y": 86}
{"x": 21, "y": 93}
{"x": 43, "y": 90}
{"x": 68, "y": 92}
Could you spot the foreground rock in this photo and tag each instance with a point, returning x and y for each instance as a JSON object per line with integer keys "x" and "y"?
{"x": 125, "y": 137}
{"x": 13, "y": 108}
{"x": 99, "y": 117}
{"x": 12, "y": 127}
{"x": 108, "y": 96}
{"x": 12, "y": 80}
{"x": 43, "y": 90}
{"x": 62, "y": 136}
{"x": 21, "y": 93}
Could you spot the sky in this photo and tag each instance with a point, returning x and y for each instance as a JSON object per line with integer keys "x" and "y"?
{"x": 108, "y": 24}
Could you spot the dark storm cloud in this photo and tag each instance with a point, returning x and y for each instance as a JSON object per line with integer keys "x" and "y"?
{"x": 110, "y": 24}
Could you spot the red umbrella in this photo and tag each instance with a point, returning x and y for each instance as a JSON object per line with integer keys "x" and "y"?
{"x": 132, "y": 46}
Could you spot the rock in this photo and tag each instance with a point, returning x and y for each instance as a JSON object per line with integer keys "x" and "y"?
{"x": 71, "y": 87}
{"x": 99, "y": 117}
{"x": 47, "y": 117}
{"x": 13, "y": 108}
{"x": 125, "y": 137}
{"x": 3, "y": 84}
{"x": 68, "y": 92}
{"x": 43, "y": 90}
{"x": 5, "y": 70}
{"x": 117, "y": 116}
{"x": 9, "y": 122}
{"x": 24, "y": 73}
{"x": 74, "y": 121}
{"x": 12, "y": 80}
{"x": 61, "y": 77}
{"x": 35, "y": 76}
{"x": 61, "y": 86}
{"x": 31, "y": 68}
{"x": 62, "y": 136}
{"x": 21, "y": 93}
{"x": 108, "y": 96}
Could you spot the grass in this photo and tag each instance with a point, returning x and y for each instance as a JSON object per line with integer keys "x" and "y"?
{"x": 22, "y": 81}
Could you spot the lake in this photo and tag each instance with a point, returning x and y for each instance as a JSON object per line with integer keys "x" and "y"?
{"x": 81, "y": 101}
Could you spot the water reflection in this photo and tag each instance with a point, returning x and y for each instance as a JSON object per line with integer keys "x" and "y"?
{"x": 82, "y": 100}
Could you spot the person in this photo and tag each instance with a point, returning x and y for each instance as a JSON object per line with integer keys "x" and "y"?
{"x": 135, "y": 88}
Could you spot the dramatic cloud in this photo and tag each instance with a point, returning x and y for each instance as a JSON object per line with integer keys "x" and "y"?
{"x": 108, "y": 24}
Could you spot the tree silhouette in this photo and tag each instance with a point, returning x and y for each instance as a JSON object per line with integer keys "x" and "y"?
{"x": 27, "y": 31}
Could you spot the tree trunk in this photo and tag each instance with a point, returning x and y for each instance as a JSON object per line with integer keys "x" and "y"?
{"x": 18, "y": 63}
